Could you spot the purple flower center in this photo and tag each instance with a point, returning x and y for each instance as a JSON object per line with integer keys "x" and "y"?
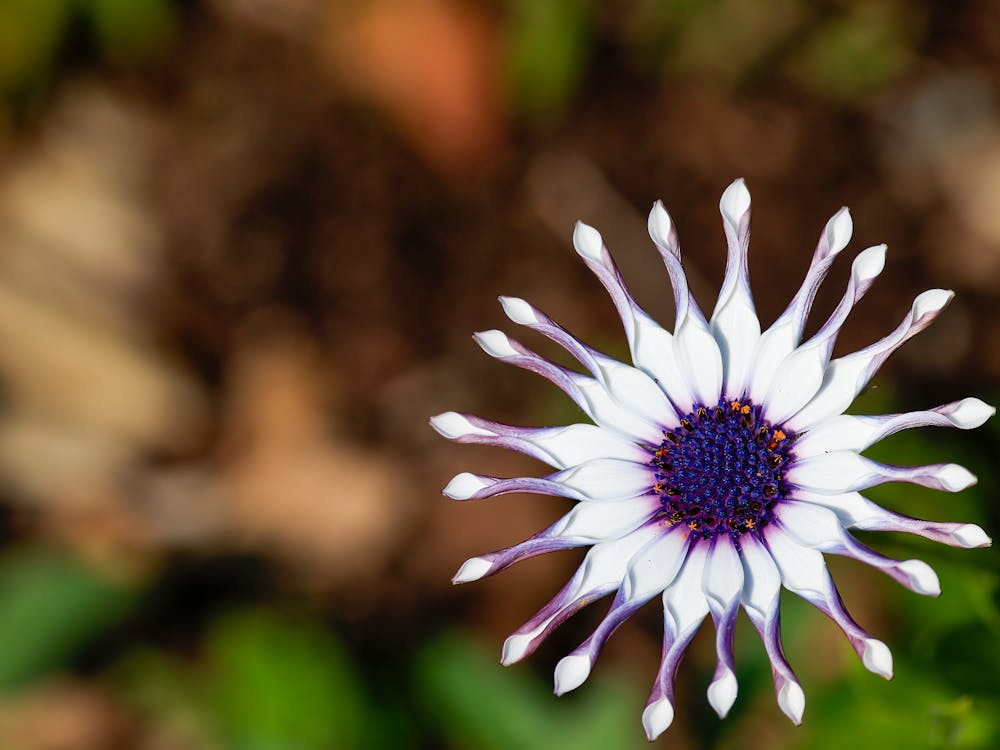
{"x": 721, "y": 470}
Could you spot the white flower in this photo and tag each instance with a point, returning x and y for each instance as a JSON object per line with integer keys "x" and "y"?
{"x": 719, "y": 467}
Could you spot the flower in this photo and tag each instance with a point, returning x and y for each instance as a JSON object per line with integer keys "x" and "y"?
{"x": 719, "y": 467}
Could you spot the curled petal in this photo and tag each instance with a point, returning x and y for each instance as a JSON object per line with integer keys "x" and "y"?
{"x": 858, "y": 432}
{"x": 734, "y": 321}
{"x": 588, "y": 393}
{"x": 650, "y": 570}
{"x": 629, "y": 386}
{"x": 601, "y": 572}
{"x": 785, "y": 333}
{"x": 649, "y": 344}
{"x": 801, "y": 373}
{"x": 559, "y": 447}
{"x": 761, "y": 600}
{"x": 684, "y": 609}
{"x": 847, "y": 376}
{"x": 818, "y": 527}
{"x": 587, "y": 523}
{"x": 845, "y": 471}
{"x": 803, "y": 571}
{"x": 858, "y": 512}
{"x": 722, "y": 585}
{"x": 695, "y": 349}
{"x": 599, "y": 479}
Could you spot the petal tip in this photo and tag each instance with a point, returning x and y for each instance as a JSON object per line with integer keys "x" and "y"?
{"x": 931, "y": 302}
{"x": 877, "y": 658}
{"x": 472, "y": 570}
{"x": 514, "y": 649}
{"x": 450, "y": 424}
{"x": 792, "y": 701}
{"x": 587, "y": 241}
{"x": 955, "y": 478}
{"x": 495, "y": 343}
{"x": 571, "y": 672}
{"x": 922, "y": 577}
{"x": 839, "y": 230}
{"x": 722, "y": 694}
{"x": 659, "y": 225}
{"x": 464, "y": 486}
{"x": 735, "y": 201}
{"x": 519, "y": 311}
{"x": 870, "y": 263}
{"x": 970, "y": 413}
{"x": 971, "y": 535}
{"x": 657, "y": 717}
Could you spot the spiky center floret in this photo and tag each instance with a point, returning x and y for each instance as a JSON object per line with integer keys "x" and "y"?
{"x": 721, "y": 470}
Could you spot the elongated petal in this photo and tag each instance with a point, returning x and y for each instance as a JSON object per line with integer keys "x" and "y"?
{"x": 804, "y": 572}
{"x": 845, "y": 471}
{"x": 785, "y": 333}
{"x": 650, "y": 344}
{"x": 588, "y": 393}
{"x": 858, "y": 432}
{"x": 723, "y": 583}
{"x": 818, "y": 527}
{"x": 650, "y": 571}
{"x": 695, "y": 348}
{"x": 587, "y": 523}
{"x": 801, "y": 373}
{"x": 630, "y": 387}
{"x": 684, "y": 609}
{"x": 858, "y": 512}
{"x": 601, "y": 572}
{"x": 847, "y": 376}
{"x": 559, "y": 447}
{"x": 599, "y": 479}
{"x": 761, "y": 600}
{"x": 734, "y": 321}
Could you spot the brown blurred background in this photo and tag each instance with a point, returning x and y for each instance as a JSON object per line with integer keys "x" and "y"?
{"x": 243, "y": 244}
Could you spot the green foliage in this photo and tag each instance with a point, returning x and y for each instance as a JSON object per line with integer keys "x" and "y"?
{"x": 51, "y": 606}
{"x": 477, "y": 703}
{"x": 547, "y": 45}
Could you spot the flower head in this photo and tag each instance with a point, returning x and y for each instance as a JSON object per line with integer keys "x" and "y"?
{"x": 719, "y": 466}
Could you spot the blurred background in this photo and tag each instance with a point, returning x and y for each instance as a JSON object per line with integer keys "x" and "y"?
{"x": 243, "y": 244}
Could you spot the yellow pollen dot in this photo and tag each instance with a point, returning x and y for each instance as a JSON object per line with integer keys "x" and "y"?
{"x": 658, "y": 488}
{"x": 745, "y": 410}
{"x": 749, "y": 523}
{"x": 735, "y": 405}
{"x": 692, "y": 525}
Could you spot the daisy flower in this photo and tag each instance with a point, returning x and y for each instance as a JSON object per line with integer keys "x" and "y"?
{"x": 719, "y": 466}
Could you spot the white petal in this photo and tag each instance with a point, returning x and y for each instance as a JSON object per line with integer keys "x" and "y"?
{"x": 784, "y": 334}
{"x": 607, "y": 479}
{"x": 792, "y": 701}
{"x": 801, "y": 373}
{"x": 838, "y": 472}
{"x": 472, "y": 570}
{"x": 722, "y": 693}
{"x": 723, "y": 579}
{"x": 597, "y": 522}
{"x": 571, "y": 672}
{"x": 858, "y": 432}
{"x": 654, "y": 567}
{"x": 847, "y": 376}
{"x": 695, "y": 348}
{"x": 734, "y": 322}
{"x": 761, "y": 580}
{"x": 657, "y": 717}
{"x": 684, "y": 602}
{"x": 464, "y": 485}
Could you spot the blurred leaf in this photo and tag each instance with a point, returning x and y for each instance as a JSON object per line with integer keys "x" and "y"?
{"x": 131, "y": 30}
{"x": 479, "y": 704}
{"x": 546, "y": 52}
{"x": 51, "y": 606}
{"x": 854, "y": 53}
{"x": 282, "y": 683}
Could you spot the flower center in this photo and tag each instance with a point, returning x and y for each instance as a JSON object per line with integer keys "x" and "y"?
{"x": 721, "y": 470}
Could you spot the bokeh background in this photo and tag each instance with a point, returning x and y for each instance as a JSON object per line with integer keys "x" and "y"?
{"x": 243, "y": 244}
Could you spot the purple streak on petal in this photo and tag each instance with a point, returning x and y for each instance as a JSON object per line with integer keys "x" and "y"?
{"x": 895, "y": 569}
{"x": 629, "y": 311}
{"x": 823, "y": 257}
{"x": 539, "y": 544}
{"x": 826, "y": 598}
{"x": 683, "y": 299}
{"x": 769, "y": 629}
{"x": 494, "y": 486}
